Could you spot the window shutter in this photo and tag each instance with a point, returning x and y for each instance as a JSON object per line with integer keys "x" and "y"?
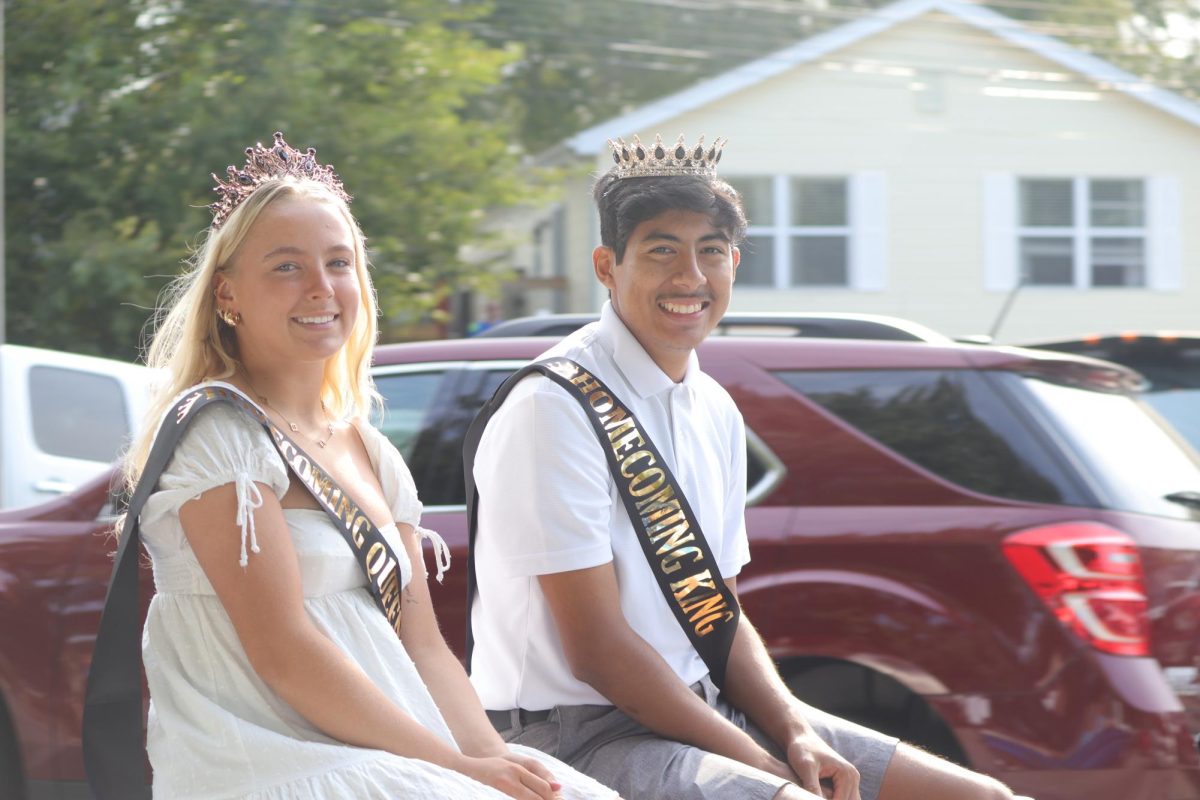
{"x": 1162, "y": 233}
{"x": 1000, "y": 272}
{"x": 868, "y": 226}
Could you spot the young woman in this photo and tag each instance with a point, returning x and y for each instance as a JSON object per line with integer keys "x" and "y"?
{"x": 273, "y": 672}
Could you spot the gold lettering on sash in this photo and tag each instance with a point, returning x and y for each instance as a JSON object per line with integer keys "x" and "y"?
{"x": 640, "y": 455}
{"x": 705, "y": 611}
{"x": 670, "y": 563}
{"x": 356, "y": 534}
{"x": 665, "y": 498}
{"x": 303, "y": 469}
{"x": 321, "y": 486}
{"x": 690, "y": 583}
{"x": 658, "y": 517}
{"x": 675, "y": 538}
{"x": 585, "y": 383}
{"x": 627, "y": 442}
{"x": 617, "y": 430}
{"x": 390, "y": 596}
{"x": 341, "y": 504}
{"x": 647, "y": 481}
{"x": 613, "y": 419}
{"x": 376, "y": 558}
{"x": 600, "y": 398}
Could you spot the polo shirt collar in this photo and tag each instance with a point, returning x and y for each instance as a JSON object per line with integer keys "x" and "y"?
{"x": 635, "y": 364}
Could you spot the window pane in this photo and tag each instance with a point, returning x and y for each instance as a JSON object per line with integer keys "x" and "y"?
{"x": 1047, "y": 202}
{"x": 819, "y": 201}
{"x": 1130, "y": 437}
{"x": 1118, "y": 203}
{"x": 1118, "y": 261}
{"x": 445, "y": 408}
{"x": 819, "y": 261}
{"x": 757, "y": 267}
{"x": 407, "y": 399}
{"x": 1047, "y": 261}
{"x": 951, "y": 422}
{"x": 77, "y": 414}
{"x": 758, "y": 198}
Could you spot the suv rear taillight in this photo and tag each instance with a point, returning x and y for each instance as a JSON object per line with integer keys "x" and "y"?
{"x": 1090, "y": 576}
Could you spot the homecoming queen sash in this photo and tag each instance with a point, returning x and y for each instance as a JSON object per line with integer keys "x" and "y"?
{"x": 665, "y": 525}
{"x": 112, "y": 714}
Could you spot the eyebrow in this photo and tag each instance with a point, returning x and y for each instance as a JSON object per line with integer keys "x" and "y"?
{"x": 291, "y": 250}
{"x": 720, "y": 236}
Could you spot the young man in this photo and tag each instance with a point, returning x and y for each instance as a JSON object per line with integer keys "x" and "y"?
{"x": 578, "y": 650}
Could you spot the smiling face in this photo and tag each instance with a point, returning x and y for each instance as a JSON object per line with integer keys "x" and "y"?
{"x": 672, "y": 285}
{"x": 294, "y": 281}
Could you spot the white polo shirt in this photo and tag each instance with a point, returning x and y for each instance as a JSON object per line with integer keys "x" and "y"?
{"x": 548, "y": 504}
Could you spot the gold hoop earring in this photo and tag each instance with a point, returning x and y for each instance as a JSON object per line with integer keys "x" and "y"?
{"x": 230, "y": 318}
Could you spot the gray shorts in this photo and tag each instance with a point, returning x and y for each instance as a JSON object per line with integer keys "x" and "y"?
{"x": 606, "y": 744}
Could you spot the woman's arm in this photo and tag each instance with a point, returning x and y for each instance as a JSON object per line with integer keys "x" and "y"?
{"x": 439, "y": 667}
{"x": 265, "y": 603}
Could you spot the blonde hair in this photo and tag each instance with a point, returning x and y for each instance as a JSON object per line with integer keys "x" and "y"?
{"x": 188, "y": 346}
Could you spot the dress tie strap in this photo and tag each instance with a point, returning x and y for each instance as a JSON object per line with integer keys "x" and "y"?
{"x": 249, "y": 499}
{"x": 441, "y": 553}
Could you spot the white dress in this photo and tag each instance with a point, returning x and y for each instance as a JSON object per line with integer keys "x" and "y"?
{"x": 216, "y": 730}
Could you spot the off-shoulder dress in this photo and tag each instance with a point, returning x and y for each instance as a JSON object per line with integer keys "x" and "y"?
{"x": 216, "y": 730}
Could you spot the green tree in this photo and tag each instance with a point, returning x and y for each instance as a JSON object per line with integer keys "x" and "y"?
{"x": 116, "y": 112}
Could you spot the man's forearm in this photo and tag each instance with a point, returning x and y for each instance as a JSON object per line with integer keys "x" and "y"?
{"x": 638, "y": 681}
{"x": 753, "y": 684}
{"x": 607, "y": 654}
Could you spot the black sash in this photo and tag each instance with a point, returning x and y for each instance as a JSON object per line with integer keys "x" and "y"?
{"x": 112, "y": 714}
{"x": 664, "y": 522}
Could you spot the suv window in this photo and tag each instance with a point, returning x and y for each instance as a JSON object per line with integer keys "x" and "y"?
{"x": 428, "y": 430}
{"x": 951, "y": 422}
{"x": 77, "y": 414}
{"x": 1110, "y": 431}
{"x": 426, "y": 417}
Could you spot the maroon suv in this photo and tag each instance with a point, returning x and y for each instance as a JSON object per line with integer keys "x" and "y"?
{"x": 993, "y": 553}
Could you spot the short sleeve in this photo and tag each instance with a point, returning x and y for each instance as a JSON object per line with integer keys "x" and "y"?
{"x": 545, "y": 492}
{"x": 222, "y": 445}
{"x": 736, "y": 546}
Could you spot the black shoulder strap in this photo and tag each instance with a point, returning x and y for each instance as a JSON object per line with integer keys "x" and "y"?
{"x": 112, "y": 713}
{"x": 666, "y": 526}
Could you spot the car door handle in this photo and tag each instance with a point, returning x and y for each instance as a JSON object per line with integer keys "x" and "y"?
{"x": 52, "y": 486}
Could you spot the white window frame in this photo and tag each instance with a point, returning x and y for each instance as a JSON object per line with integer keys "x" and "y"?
{"x": 865, "y": 231}
{"x": 1082, "y": 231}
{"x": 1160, "y": 232}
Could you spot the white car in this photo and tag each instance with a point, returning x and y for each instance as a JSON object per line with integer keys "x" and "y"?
{"x": 64, "y": 418}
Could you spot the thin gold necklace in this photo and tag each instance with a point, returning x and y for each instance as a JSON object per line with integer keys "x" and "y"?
{"x": 296, "y": 428}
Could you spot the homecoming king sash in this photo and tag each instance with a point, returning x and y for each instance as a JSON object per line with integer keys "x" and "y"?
{"x": 665, "y": 525}
{"x": 112, "y": 714}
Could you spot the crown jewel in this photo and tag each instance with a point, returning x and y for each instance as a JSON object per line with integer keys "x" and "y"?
{"x": 636, "y": 160}
{"x": 265, "y": 163}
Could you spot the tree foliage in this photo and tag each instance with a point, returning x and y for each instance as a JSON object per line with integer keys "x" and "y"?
{"x": 116, "y": 111}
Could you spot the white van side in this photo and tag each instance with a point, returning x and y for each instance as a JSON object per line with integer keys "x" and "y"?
{"x": 64, "y": 418}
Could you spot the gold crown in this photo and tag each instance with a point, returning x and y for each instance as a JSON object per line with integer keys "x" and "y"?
{"x": 635, "y": 160}
{"x": 265, "y": 163}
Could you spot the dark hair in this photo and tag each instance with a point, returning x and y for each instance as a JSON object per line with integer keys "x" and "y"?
{"x": 628, "y": 202}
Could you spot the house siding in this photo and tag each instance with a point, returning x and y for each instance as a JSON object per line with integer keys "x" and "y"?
{"x": 935, "y": 105}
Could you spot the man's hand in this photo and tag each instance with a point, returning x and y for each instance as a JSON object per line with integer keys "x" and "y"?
{"x": 813, "y": 760}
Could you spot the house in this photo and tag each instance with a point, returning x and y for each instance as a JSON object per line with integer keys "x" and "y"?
{"x": 923, "y": 161}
